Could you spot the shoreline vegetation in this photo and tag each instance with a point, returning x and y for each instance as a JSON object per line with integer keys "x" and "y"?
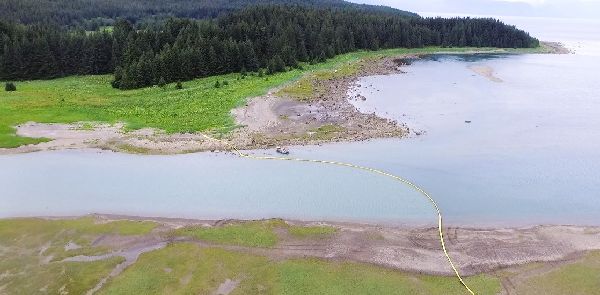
{"x": 308, "y": 106}
{"x": 121, "y": 254}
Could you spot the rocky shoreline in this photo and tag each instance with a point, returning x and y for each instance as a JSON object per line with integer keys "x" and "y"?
{"x": 327, "y": 117}
{"x": 264, "y": 122}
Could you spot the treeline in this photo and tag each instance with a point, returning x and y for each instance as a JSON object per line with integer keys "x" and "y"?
{"x": 92, "y": 14}
{"x": 264, "y": 37}
{"x": 40, "y": 52}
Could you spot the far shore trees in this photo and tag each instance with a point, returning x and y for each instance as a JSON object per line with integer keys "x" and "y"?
{"x": 270, "y": 37}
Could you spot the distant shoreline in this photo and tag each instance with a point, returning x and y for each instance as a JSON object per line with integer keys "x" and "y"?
{"x": 280, "y": 117}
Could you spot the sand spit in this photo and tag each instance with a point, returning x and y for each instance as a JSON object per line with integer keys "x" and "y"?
{"x": 485, "y": 71}
{"x": 556, "y": 47}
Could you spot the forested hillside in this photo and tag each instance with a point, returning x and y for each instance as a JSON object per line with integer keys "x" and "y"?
{"x": 91, "y": 14}
{"x": 270, "y": 37}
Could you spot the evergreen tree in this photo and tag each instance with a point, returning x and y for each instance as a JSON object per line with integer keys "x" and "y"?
{"x": 276, "y": 65}
{"x": 9, "y": 86}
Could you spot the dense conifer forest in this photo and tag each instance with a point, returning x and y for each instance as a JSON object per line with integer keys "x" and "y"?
{"x": 270, "y": 38}
{"x": 92, "y": 14}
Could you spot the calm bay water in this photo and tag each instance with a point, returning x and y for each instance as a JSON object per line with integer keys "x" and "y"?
{"x": 531, "y": 154}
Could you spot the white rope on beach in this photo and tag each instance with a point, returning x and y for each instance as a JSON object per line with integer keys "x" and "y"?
{"x": 372, "y": 170}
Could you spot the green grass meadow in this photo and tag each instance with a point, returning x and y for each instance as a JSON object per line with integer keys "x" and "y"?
{"x": 32, "y": 252}
{"x": 188, "y": 269}
{"x": 579, "y": 278}
{"x": 253, "y": 233}
{"x": 198, "y": 107}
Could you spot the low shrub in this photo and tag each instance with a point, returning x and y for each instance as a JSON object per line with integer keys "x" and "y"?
{"x": 9, "y": 86}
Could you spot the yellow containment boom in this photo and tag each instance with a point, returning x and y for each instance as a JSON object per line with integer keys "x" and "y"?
{"x": 372, "y": 170}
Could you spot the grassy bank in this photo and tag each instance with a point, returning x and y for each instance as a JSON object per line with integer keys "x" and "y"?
{"x": 581, "y": 277}
{"x": 32, "y": 253}
{"x": 32, "y": 250}
{"x": 188, "y": 269}
{"x": 198, "y": 107}
{"x": 253, "y": 234}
